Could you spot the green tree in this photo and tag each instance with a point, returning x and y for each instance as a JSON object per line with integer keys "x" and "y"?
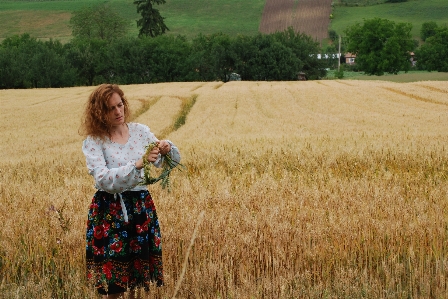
{"x": 99, "y": 21}
{"x": 91, "y": 60}
{"x": 213, "y": 56}
{"x": 272, "y": 60}
{"x": 49, "y": 68}
{"x": 305, "y": 51}
{"x": 432, "y": 55}
{"x": 129, "y": 62}
{"x": 245, "y": 49}
{"x": 169, "y": 58}
{"x": 333, "y": 35}
{"x": 428, "y": 29}
{"x": 151, "y": 23}
{"x": 381, "y": 46}
{"x": 26, "y": 62}
{"x": 16, "y": 53}
{"x": 330, "y": 61}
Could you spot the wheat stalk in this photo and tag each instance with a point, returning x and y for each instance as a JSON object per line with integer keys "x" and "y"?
{"x": 167, "y": 165}
{"x": 184, "y": 265}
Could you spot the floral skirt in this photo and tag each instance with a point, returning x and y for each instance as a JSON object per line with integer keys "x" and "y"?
{"x": 121, "y": 255}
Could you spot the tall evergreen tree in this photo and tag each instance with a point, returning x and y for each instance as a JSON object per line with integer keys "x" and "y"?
{"x": 151, "y": 23}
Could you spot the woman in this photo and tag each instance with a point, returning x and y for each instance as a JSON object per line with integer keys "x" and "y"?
{"x": 124, "y": 249}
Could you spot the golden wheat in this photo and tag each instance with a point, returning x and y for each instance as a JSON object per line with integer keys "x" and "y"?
{"x": 325, "y": 189}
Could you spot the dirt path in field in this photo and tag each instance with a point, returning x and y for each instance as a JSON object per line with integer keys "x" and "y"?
{"x": 311, "y": 17}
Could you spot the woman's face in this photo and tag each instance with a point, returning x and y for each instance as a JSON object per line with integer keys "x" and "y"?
{"x": 116, "y": 110}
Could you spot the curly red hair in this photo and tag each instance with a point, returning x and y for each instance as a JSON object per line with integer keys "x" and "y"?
{"x": 95, "y": 121}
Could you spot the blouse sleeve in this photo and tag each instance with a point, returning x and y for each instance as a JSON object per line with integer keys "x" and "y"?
{"x": 174, "y": 153}
{"x": 114, "y": 180}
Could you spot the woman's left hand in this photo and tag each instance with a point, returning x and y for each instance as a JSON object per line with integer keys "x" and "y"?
{"x": 164, "y": 147}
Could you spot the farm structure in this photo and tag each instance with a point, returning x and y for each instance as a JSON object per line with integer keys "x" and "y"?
{"x": 310, "y": 17}
{"x": 350, "y": 58}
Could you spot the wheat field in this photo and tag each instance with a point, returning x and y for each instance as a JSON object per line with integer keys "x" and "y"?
{"x": 316, "y": 189}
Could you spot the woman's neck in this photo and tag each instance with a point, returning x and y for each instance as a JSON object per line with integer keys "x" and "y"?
{"x": 119, "y": 134}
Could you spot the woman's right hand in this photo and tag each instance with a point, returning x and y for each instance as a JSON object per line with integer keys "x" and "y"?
{"x": 153, "y": 154}
{"x": 151, "y": 157}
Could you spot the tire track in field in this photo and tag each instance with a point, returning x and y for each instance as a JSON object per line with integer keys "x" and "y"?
{"x": 318, "y": 82}
{"x": 197, "y": 87}
{"x": 235, "y": 112}
{"x": 344, "y": 83}
{"x": 413, "y": 96}
{"x": 146, "y": 104}
{"x": 180, "y": 119}
{"x": 263, "y": 110}
{"x": 218, "y": 85}
{"x": 48, "y": 100}
{"x": 432, "y": 88}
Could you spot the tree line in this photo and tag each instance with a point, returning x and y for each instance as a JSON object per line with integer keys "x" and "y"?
{"x": 26, "y": 62}
{"x": 383, "y": 46}
{"x": 102, "y": 51}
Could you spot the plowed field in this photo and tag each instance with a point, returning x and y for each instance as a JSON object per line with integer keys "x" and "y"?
{"x": 311, "y": 17}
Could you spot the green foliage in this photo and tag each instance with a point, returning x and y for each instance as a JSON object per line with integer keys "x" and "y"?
{"x": 99, "y": 21}
{"x": 331, "y": 59}
{"x": 415, "y": 12}
{"x": 277, "y": 56}
{"x": 151, "y": 23}
{"x": 333, "y": 35}
{"x": 304, "y": 48}
{"x": 395, "y": 1}
{"x": 213, "y": 56}
{"x": 381, "y": 46}
{"x": 339, "y": 74}
{"x": 273, "y": 60}
{"x": 167, "y": 165}
{"x": 432, "y": 56}
{"x": 90, "y": 57}
{"x": 26, "y": 62}
{"x": 428, "y": 29}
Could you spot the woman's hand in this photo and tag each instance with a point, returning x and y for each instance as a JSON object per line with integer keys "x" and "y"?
{"x": 164, "y": 147}
{"x": 151, "y": 157}
{"x": 153, "y": 154}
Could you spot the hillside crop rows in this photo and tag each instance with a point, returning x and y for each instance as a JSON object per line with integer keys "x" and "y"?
{"x": 277, "y": 15}
{"x": 324, "y": 189}
{"x": 311, "y": 17}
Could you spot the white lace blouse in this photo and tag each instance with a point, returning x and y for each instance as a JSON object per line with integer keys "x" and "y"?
{"x": 112, "y": 165}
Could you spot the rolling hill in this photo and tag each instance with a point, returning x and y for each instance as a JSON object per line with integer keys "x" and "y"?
{"x": 50, "y": 19}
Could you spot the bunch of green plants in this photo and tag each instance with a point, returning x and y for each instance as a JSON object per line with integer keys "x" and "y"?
{"x": 168, "y": 164}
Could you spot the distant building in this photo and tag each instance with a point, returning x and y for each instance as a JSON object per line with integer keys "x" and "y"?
{"x": 350, "y": 58}
{"x": 326, "y": 56}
